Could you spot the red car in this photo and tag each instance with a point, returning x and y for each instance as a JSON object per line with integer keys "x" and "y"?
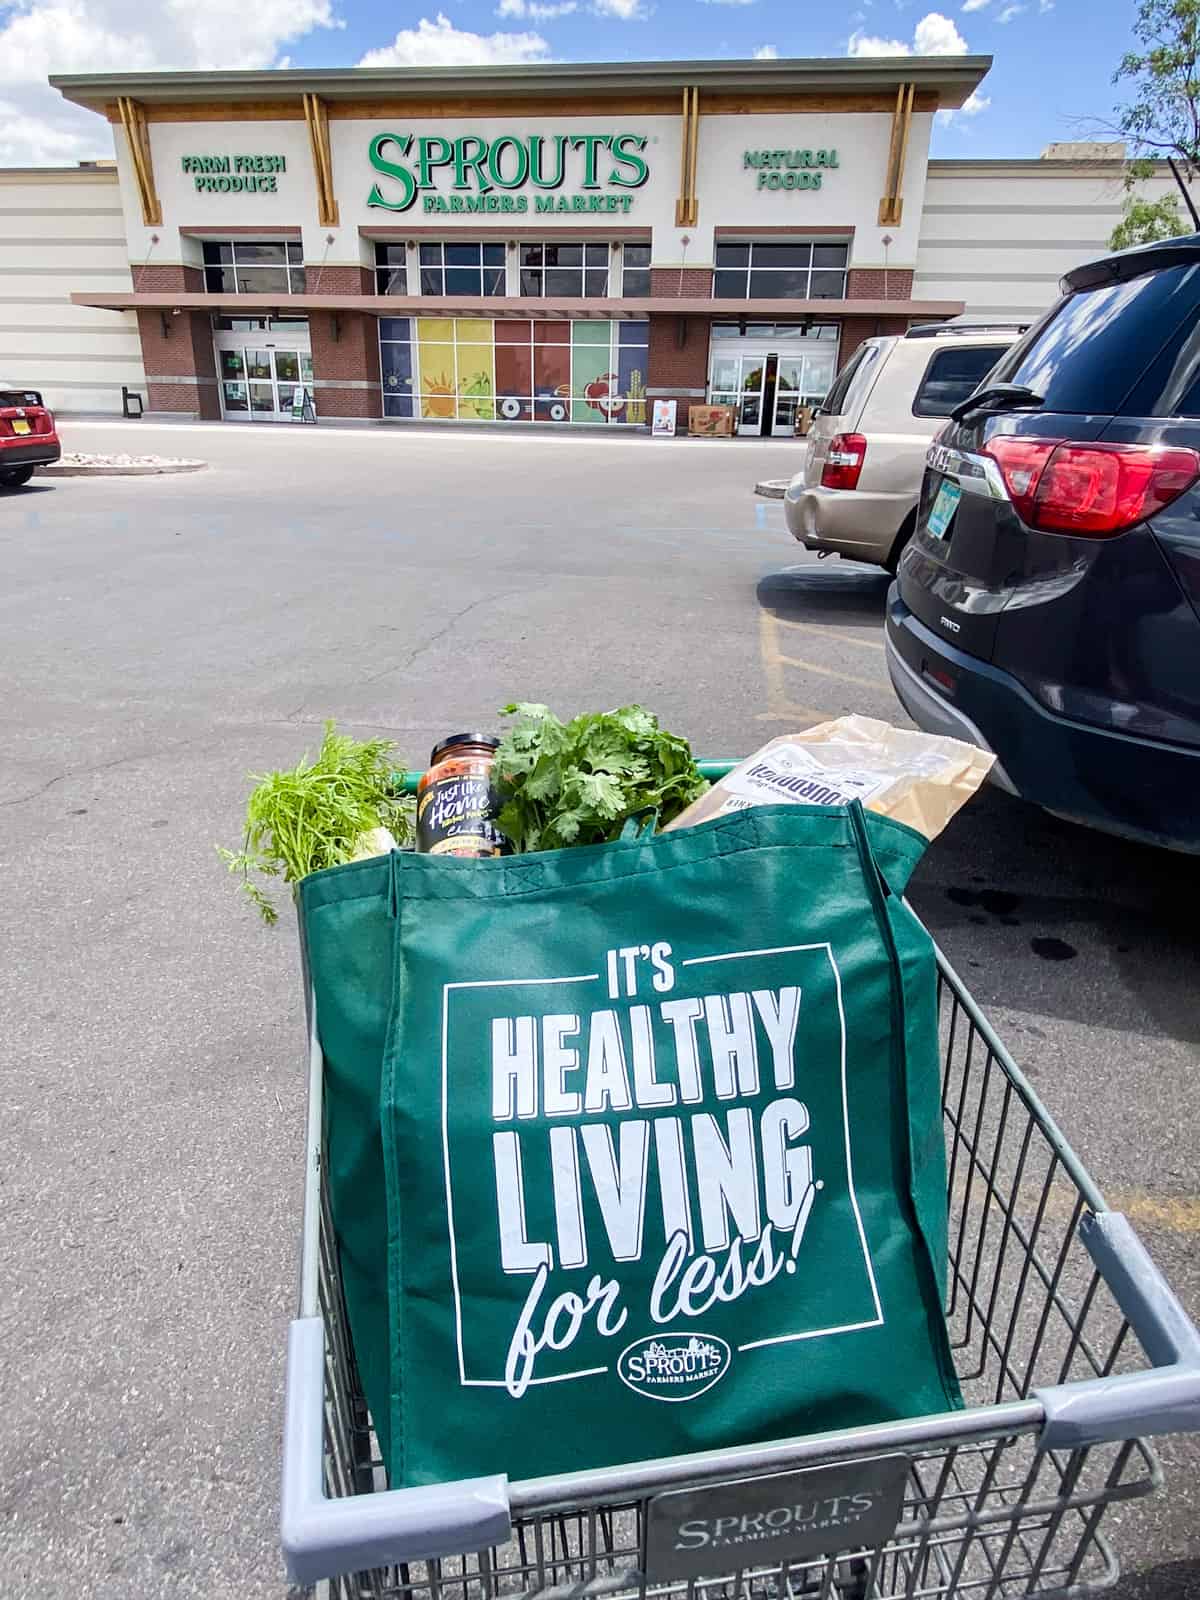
{"x": 28, "y": 438}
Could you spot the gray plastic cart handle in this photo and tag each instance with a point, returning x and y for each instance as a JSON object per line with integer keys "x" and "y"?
{"x": 1136, "y": 1404}
{"x": 323, "y": 1537}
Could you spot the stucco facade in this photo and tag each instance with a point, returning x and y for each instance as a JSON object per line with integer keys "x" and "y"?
{"x": 396, "y": 246}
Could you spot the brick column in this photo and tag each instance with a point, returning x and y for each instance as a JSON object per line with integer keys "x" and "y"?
{"x": 856, "y": 329}
{"x": 338, "y": 280}
{"x": 873, "y": 283}
{"x": 678, "y": 362}
{"x": 179, "y": 362}
{"x": 688, "y": 283}
{"x": 162, "y": 278}
{"x": 345, "y": 355}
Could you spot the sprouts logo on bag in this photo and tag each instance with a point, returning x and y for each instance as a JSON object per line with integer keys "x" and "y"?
{"x": 661, "y": 1144}
{"x": 673, "y": 1366}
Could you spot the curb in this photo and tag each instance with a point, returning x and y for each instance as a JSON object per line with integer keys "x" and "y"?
{"x": 772, "y": 488}
{"x": 88, "y": 469}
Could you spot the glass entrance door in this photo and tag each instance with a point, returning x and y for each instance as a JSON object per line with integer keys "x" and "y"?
{"x": 767, "y": 371}
{"x": 265, "y": 366}
{"x": 802, "y": 380}
{"x": 740, "y": 381}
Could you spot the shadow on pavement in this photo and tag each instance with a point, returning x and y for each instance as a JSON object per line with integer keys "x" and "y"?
{"x": 1102, "y": 928}
{"x": 839, "y": 592}
{"x": 1174, "y": 1580}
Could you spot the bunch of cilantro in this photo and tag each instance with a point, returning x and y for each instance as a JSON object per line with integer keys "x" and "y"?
{"x": 578, "y": 782}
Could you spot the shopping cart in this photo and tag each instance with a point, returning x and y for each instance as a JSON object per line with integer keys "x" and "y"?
{"x": 1071, "y": 1350}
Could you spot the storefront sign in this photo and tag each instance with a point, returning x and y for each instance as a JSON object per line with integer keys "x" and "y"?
{"x": 789, "y": 169}
{"x": 484, "y": 174}
{"x": 234, "y": 174}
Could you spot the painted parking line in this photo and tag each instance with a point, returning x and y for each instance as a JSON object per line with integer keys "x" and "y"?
{"x": 834, "y": 672}
{"x": 1173, "y": 1213}
{"x": 780, "y": 706}
{"x": 831, "y": 633}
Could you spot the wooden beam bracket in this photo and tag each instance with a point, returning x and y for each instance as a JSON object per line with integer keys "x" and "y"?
{"x": 317, "y": 118}
{"x": 133, "y": 120}
{"x": 891, "y": 206}
{"x": 687, "y": 207}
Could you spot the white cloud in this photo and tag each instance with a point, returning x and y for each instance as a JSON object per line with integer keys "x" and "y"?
{"x": 728, "y": 2}
{"x": 536, "y": 10}
{"x": 38, "y": 37}
{"x": 766, "y": 52}
{"x": 975, "y": 5}
{"x": 441, "y": 44}
{"x": 864, "y": 44}
{"x": 934, "y": 35}
{"x": 622, "y": 10}
{"x": 971, "y": 107}
{"x": 1009, "y": 13}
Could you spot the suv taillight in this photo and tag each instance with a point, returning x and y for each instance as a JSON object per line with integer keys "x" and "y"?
{"x": 844, "y": 463}
{"x": 1092, "y": 490}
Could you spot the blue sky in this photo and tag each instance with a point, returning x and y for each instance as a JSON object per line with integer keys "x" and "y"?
{"x": 1051, "y": 79}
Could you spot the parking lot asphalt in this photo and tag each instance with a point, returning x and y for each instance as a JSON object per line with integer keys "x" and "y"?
{"x": 160, "y": 638}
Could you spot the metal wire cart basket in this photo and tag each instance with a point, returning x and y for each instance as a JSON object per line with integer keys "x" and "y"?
{"x": 1070, "y": 1347}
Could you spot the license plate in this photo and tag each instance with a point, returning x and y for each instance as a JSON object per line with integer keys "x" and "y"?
{"x": 20, "y": 426}
{"x": 944, "y": 507}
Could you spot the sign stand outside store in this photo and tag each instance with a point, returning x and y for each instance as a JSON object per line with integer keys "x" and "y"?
{"x": 663, "y": 424}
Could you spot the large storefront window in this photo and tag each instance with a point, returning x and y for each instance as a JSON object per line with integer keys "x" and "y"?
{"x": 768, "y": 370}
{"x": 473, "y": 369}
{"x": 471, "y": 268}
{"x": 564, "y": 271}
{"x": 391, "y": 269}
{"x": 248, "y": 266}
{"x": 635, "y": 271}
{"x": 792, "y": 270}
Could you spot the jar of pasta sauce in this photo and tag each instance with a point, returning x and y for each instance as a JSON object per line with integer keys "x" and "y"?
{"x": 457, "y": 805}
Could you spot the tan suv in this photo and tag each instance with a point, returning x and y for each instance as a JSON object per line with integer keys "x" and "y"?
{"x": 857, "y": 494}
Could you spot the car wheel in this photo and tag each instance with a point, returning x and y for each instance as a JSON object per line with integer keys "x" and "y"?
{"x": 907, "y": 528}
{"x": 14, "y": 477}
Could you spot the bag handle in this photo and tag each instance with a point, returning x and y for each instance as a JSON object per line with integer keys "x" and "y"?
{"x": 641, "y": 824}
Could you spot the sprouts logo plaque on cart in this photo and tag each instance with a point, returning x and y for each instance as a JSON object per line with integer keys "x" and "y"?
{"x": 790, "y": 1516}
{"x": 665, "y": 1188}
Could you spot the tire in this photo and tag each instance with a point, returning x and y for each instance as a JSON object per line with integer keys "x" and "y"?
{"x": 907, "y": 528}
{"x": 15, "y": 477}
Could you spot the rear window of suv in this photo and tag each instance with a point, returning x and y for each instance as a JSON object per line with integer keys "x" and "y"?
{"x": 854, "y": 376}
{"x": 952, "y": 375}
{"x": 1107, "y": 351}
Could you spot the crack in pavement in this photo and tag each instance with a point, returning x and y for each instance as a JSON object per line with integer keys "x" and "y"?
{"x": 427, "y": 644}
{"x": 103, "y": 766}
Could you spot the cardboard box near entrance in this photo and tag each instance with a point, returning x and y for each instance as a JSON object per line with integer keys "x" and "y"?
{"x": 713, "y": 422}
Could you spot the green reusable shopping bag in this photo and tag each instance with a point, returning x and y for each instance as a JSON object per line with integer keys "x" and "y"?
{"x": 661, "y": 1128}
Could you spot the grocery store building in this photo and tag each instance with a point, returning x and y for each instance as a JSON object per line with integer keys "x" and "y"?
{"x": 555, "y": 244}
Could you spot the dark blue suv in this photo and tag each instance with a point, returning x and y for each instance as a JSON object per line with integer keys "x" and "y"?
{"x": 1048, "y": 605}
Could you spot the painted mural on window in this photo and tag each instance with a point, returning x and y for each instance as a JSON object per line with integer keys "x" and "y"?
{"x": 471, "y": 369}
